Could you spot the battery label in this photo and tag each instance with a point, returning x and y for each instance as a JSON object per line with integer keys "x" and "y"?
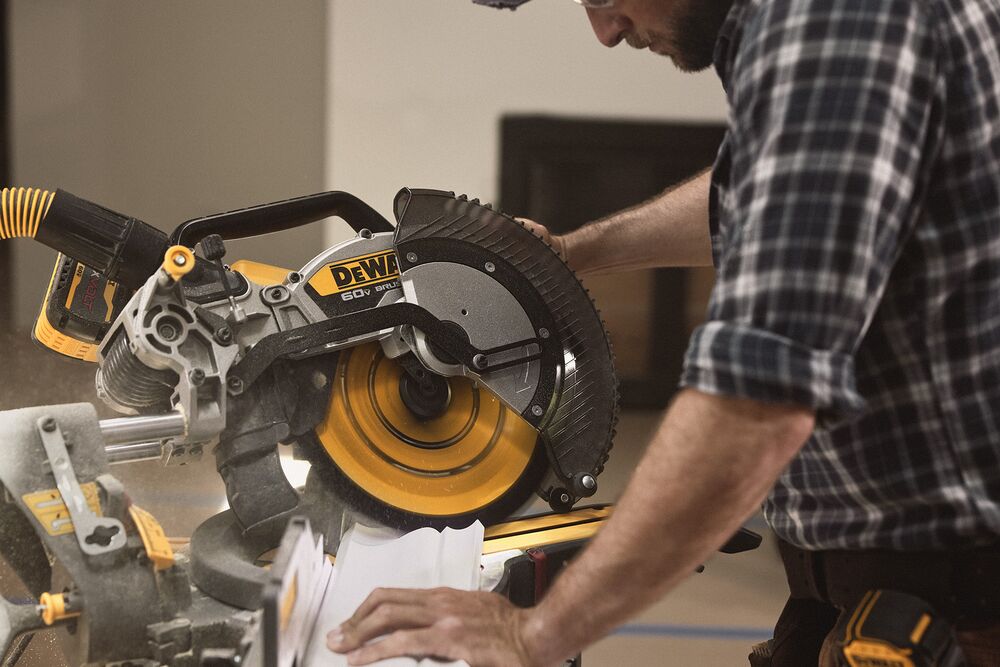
{"x": 91, "y": 295}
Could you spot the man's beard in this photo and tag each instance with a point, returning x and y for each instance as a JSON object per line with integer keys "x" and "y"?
{"x": 691, "y": 42}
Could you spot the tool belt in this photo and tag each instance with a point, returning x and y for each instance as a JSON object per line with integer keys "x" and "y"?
{"x": 963, "y": 585}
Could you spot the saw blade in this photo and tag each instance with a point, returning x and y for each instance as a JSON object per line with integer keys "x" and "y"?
{"x": 476, "y": 460}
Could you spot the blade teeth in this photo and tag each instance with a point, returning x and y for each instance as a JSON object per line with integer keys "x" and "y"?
{"x": 474, "y": 222}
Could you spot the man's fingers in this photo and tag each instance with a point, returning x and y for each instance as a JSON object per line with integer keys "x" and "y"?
{"x": 380, "y": 596}
{"x": 415, "y": 643}
{"x": 538, "y": 229}
{"x": 555, "y": 240}
{"x": 385, "y": 618}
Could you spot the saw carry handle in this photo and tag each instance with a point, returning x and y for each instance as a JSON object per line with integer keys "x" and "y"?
{"x": 281, "y": 216}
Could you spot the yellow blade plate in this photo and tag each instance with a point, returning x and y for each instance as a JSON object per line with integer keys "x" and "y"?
{"x": 456, "y": 463}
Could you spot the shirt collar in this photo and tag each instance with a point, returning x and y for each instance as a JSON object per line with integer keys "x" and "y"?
{"x": 728, "y": 39}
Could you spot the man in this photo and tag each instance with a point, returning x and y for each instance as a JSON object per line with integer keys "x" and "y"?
{"x": 849, "y": 369}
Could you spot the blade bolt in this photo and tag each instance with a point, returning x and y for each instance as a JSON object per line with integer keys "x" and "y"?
{"x": 490, "y": 267}
{"x": 168, "y": 331}
{"x": 588, "y": 482}
{"x": 235, "y": 386}
{"x": 479, "y": 361}
{"x": 197, "y": 377}
{"x": 411, "y": 257}
{"x": 537, "y": 410}
{"x": 275, "y": 295}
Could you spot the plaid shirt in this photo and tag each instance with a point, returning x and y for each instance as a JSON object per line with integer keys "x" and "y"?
{"x": 856, "y": 230}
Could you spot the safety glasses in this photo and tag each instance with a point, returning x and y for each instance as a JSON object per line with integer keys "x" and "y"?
{"x": 514, "y": 4}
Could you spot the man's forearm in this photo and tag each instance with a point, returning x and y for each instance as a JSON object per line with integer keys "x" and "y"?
{"x": 709, "y": 466}
{"x": 669, "y": 230}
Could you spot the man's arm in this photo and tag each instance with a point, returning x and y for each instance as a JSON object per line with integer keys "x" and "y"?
{"x": 670, "y": 229}
{"x": 707, "y": 468}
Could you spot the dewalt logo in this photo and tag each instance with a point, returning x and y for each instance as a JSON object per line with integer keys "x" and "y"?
{"x": 356, "y": 272}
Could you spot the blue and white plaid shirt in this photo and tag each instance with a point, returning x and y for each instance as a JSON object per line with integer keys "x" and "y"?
{"x": 856, "y": 231}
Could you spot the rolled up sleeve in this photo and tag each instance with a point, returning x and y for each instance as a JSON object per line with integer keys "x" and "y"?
{"x": 832, "y": 110}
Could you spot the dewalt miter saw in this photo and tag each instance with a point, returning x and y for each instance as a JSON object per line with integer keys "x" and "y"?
{"x": 441, "y": 371}
{"x": 434, "y": 372}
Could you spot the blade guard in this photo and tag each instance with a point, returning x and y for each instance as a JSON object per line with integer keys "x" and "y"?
{"x": 578, "y": 387}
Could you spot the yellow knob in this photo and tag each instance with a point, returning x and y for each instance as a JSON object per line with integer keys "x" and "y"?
{"x": 52, "y": 607}
{"x": 178, "y": 261}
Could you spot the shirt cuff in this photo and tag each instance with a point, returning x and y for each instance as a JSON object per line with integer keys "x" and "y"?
{"x": 745, "y": 362}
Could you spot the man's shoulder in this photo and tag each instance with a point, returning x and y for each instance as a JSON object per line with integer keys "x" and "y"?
{"x": 767, "y": 26}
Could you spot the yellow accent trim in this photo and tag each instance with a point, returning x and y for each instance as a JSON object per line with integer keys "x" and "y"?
{"x": 22, "y": 211}
{"x": 178, "y": 261}
{"x": 77, "y": 277}
{"x": 29, "y": 221}
{"x": 918, "y": 632}
{"x": 867, "y": 612}
{"x": 109, "y": 299}
{"x": 288, "y": 602}
{"x": 872, "y": 653}
{"x": 19, "y": 215}
{"x": 854, "y": 617}
{"x": 59, "y": 342}
{"x": 54, "y": 608}
{"x": 5, "y": 232}
{"x": 862, "y": 651}
{"x": 546, "y": 522}
{"x": 153, "y": 538}
{"x": 541, "y": 538}
{"x": 51, "y": 512}
{"x": 471, "y": 455}
{"x": 262, "y": 274}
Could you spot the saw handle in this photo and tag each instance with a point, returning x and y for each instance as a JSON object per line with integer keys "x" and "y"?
{"x": 280, "y": 216}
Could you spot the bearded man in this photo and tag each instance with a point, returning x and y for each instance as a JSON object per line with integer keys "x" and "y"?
{"x": 848, "y": 373}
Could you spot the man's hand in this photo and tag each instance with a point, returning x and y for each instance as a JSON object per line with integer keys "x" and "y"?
{"x": 670, "y": 229}
{"x": 480, "y": 628}
{"x": 557, "y": 242}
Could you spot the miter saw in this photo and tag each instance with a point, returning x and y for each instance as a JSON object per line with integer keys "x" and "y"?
{"x": 434, "y": 372}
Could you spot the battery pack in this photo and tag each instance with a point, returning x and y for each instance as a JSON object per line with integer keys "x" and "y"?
{"x": 78, "y": 310}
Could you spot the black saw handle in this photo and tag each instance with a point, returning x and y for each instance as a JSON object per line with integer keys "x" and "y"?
{"x": 280, "y": 216}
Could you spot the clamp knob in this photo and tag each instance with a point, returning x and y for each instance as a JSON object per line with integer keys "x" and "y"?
{"x": 178, "y": 261}
{"x": 54, "y": 607}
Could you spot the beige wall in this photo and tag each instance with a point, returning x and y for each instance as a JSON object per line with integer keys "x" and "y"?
{"x": 166, "y": 111}
{"x": 417, "y": 88}
{"x": 175, "y": 109}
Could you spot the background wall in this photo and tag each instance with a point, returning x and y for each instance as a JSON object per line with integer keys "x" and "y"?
{"x": 417, "y": 89}
{"x": 167, "y": 111}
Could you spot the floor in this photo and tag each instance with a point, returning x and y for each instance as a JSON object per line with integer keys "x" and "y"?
{"x": 710, "y": 620}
